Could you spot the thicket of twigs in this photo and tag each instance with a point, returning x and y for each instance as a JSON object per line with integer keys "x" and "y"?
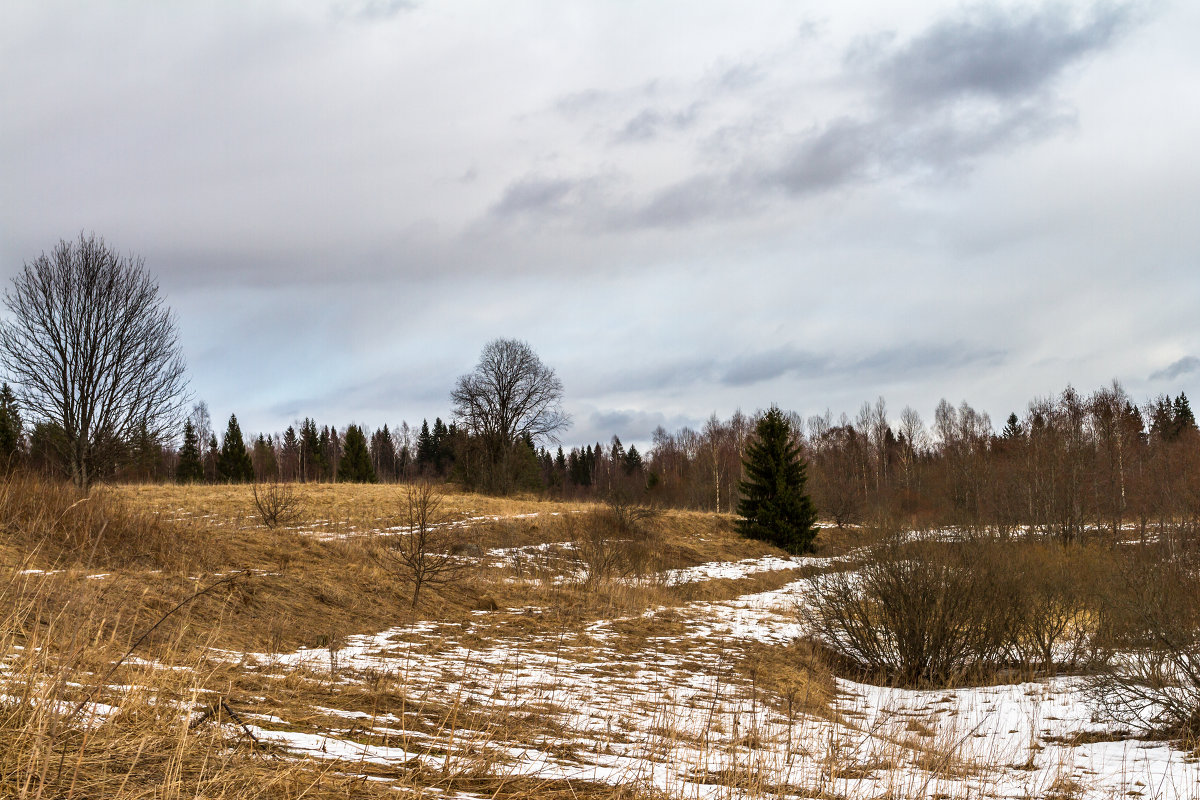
{"x": 39, "y": 514}
{"x": 944, "y": 611}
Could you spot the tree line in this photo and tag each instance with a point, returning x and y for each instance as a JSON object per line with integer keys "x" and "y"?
{"x": 1069, "y": 463}
{"x": 304, "y": 452}
{"x": 98, "y": 392}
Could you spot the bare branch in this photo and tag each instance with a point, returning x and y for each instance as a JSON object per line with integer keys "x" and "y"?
{"x": 93, "y": 350}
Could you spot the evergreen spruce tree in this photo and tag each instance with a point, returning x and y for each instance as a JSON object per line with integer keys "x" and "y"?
{"x": 355, "y": 465}
{"x": 333, "y": 453}
{"x": 774, "y": 506}
{"x": 1012, "y": 429}
{"x": 324, "y": 453}
{"x": 425, "y": 449}
{"x": 441, "y": 446}
{"x": 189, "y": 469}
{"x": 234, "y": 465}
{"x": 383, "y": 454}
{"x": 311, "y": 457}
{"x": 1162, "y": 419}
{"x": 290, "y": 468}
{"x": 633, "y": 461}
{"x": 10, "y": 429}
{"x": 1182, "y": 415}
{"x": 266, "y": 467}
{"x": 145, "y": 454}
{"x": 212, "y": 459}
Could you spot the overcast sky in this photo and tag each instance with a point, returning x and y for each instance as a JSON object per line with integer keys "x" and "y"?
{"x": 683, "y": 207}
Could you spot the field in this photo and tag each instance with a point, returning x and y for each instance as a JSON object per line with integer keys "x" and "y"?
{"x": 566, "y": 650}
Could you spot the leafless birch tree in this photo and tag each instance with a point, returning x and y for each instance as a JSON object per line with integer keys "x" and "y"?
{"x": 92, "y": 349}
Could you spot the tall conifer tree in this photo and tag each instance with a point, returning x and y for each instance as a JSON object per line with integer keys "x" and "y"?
{"x": 234, "y": 464}
{"x": 10, "y": 428}
{"x": 189, "y": 469}
{"x": 774, "y": 506}
{"x": 355, "y": 464}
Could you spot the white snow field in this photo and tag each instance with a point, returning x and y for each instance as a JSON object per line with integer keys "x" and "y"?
{"x": 665, "y": 711}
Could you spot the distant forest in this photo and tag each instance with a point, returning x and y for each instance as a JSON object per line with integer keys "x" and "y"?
{"x": 1068, "y": 464}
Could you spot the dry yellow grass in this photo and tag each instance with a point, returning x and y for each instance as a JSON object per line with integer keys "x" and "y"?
{"x": 312, "y": 586}
{"x": 338, "y": 507}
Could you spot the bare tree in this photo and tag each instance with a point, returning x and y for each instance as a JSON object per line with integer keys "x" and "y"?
{"x": 93, "y": 349}
{"x": 509, "y": 397}
{"x": 424, "y": 553}
{"x": 277, "y": 503}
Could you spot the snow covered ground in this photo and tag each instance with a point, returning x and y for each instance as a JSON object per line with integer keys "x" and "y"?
{"x": 667, "y": 711}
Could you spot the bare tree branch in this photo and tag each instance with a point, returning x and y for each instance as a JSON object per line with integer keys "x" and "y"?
{"x": 93, "y": 350}
{"x": 511, "y": 395}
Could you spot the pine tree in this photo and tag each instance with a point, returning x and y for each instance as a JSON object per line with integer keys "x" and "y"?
{"x": 441, "y": 446}
{"x": 333, "y": 454}
{"x": 266, "y": 467}
{"x": 144, "y": 454}
{"x": 774, "y": 506}
{"x": 1012, "y": 428}
{"x": 1184, "y": 419}
{"x": 234, "y": 465}
{"x": 633, "y": 461}
{"x": 425, "y": 449}
{"x": 1162, "y": 419}
{"x": 383, "y": 454}
{"x": 189, "y": 469}
{"x": 312, "y": 461}
{"x": 212, "y": 460}
{"x": 355, "y": 465}
{"x": 10, "y": 428}
{"x": 290, "y": 467}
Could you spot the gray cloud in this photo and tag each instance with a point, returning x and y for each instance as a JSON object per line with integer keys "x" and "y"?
{"x": 882, "y": 365}
{"x": 373, "y": 10}
{"x": 1184, "y": 366}
{"x": 755, "y": 367}
{"x": 673, "y": 374}
{"x": 546, "y": 196}
{"x": 769, "y": 364}
{"x": 842, "y": 152}
{"x": 373, "y": 199}
{"x": 994, "y": 53}
{"x": 700, "y": 197}
{"x": 965, "y": 87}
{"x": 650, "y": 123}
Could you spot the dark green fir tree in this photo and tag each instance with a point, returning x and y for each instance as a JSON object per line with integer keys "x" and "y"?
{"x": 266, "y": 467}
{"x": 10, "y": 429}
{"x": 1184, "y": 419}
{"x": 774, "y": 506}
{"x": 1012, "y": 429}
{"x": 355, "y": 465}
{"x": 189, "y": 469}
{"x": 234, "y": 464}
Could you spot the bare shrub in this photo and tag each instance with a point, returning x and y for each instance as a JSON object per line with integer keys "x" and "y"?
{"x": 277, "y": 503}
{"x": 1059, "y": 621}
{"x": 917, "y": 613}
{"x": 428, "y": 552}
{"x": 1154, "y": 684}
{"x": 938, "y": 612}
{"x": 97, "y": 529}
{"x": 614, "y": 543}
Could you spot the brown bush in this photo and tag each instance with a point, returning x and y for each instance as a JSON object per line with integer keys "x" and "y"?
{"x": 616, "y": 542}
{"x": 277, "y": 503}
{"x": 939, "y": 613}
{"x": 97, "y": 529}
{"x": 1154, "y": 620}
